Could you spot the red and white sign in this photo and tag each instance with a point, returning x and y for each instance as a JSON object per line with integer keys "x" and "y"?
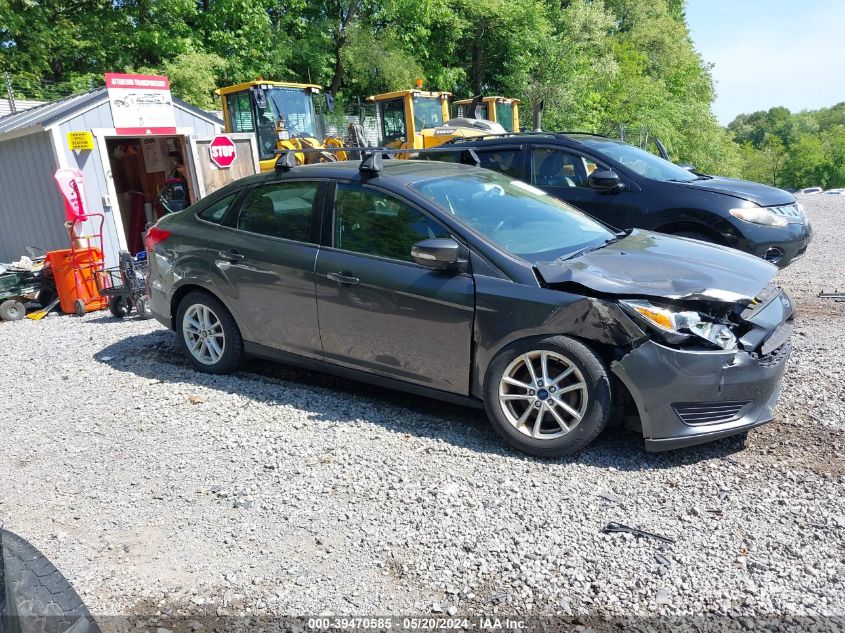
{"x": 222, "y": 151}
{"x": 141, "y": 104}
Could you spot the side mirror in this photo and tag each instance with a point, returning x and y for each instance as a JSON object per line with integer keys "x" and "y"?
{"x": 439, "y": 253}
{"x": 604, "y": 180}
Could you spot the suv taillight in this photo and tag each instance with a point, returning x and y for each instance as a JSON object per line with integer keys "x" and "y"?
{"x": 154, "y": 236}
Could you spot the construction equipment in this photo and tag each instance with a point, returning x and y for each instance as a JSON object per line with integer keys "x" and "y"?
{"x": 281, "y": 115}
{"x": 429, "y": 113}
{"x": 501, "y": 110}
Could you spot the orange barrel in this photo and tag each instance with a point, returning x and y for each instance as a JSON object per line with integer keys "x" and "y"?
{"x": 66, "y": 273}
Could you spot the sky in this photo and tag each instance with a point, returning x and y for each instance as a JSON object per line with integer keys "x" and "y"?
{"x": 769, "y": 53}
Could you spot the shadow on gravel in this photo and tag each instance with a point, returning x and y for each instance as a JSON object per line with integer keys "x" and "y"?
{"x": 156, "y": 356}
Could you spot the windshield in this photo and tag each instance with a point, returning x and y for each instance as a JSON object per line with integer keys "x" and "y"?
{"x": 297, "y": 107}
{"x": 428, "y": 113}
{"x": 640, "y": 161}
{"x": 515, "y": 216}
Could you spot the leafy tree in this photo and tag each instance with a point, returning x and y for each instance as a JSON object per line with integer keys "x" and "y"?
{"x": 193, "y": 77}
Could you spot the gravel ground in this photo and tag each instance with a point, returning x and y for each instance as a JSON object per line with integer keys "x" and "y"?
{"x": 157, "y": 489}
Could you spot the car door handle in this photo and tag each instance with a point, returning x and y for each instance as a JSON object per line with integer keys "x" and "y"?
{"x": 231, "y": 255}
{"x": 343, "y": 279}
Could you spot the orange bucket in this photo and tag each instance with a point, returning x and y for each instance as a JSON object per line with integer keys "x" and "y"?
{"x": 67, "y": 272}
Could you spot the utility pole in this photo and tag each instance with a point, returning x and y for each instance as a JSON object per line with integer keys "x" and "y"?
{"x": 10, "y": 93}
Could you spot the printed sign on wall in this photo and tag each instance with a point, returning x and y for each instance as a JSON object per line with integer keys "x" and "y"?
{"x": 80, "y": 141}
{"x": 141, "y": 104}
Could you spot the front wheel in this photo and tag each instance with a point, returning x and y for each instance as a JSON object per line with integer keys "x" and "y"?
{"x": 208, "y": 334}
{"x": 548, "y": 397}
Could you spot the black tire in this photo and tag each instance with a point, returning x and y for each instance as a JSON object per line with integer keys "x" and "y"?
{"x": 34, "y": 596}
{"x": 79, "y": 307}
{"x": 120, "y": 306}
{"x": 12, "y": 310}
{"x": 597, "y": 406}
{"x": 233, "y": 349}
{"x": 143, "y": 307}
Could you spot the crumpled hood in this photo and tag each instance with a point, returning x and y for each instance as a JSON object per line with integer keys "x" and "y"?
{"x": 763, "y": 195}
{"x": 657, "y": 265}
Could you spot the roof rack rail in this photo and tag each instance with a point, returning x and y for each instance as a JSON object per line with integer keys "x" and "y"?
{"x": 371, "y": 156}
{"x": 582, "y": 132}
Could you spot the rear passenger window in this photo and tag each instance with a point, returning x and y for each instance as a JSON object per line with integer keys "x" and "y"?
{"x": 280, "y": 210}
{"x": 504, "y": 161}
{"x": 215, "y": 211}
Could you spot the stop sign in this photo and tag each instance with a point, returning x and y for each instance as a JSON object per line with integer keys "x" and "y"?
{"x": 222, "y": 151}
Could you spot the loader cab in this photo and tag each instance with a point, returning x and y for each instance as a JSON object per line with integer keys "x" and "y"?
{"x": 273, "y": 111}
{"x": 404, "y": 114}
{"x": 499, "y": 110}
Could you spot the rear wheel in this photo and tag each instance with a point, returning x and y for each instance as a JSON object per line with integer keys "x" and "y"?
{"x": 12, "y": 310}
{"x": 208, "y": 334}
{"x": 548, "y": 397}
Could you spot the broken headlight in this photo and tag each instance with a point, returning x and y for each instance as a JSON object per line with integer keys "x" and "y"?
{"x": 678, "y": 326}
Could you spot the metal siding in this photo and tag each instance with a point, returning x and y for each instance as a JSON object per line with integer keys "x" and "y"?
{"x": 95, "y": 175}
{"x": 50, "y": 111}
{"x": 31, "y": 209}
{"x": 200, "y": 127}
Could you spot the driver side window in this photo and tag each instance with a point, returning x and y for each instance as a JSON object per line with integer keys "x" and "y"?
{"x": 554, "y": 168}
{"x": 369, "y": 222}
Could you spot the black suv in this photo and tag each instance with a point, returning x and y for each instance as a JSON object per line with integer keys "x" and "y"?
{"x": 627, "y": 187}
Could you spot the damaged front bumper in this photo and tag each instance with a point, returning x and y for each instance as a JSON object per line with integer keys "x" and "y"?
{"x": 688, "y": 397}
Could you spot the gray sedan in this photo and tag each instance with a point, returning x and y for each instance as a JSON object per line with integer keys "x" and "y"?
{"x": 463, "y": 284}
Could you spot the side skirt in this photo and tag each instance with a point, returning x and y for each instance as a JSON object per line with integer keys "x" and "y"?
{"x": 311, "y": 364}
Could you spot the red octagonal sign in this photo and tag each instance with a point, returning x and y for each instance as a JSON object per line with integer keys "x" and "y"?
{"x": 222, "y": 151}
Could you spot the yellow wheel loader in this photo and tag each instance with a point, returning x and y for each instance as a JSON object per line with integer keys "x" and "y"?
{"x": 418, "y": 119}
{"x": 281, "y": 115}
{"x": 499, "y": 110}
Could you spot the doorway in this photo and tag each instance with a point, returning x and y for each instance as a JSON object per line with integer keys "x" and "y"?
{"x": 151, "y": 178}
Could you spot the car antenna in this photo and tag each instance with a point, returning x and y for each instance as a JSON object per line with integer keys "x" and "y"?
{"x": 286, "y": 161}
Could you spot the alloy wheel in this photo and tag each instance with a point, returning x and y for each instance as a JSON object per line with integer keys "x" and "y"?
{"x": 543, "y": 394}
{"x": 203, "y": 334}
